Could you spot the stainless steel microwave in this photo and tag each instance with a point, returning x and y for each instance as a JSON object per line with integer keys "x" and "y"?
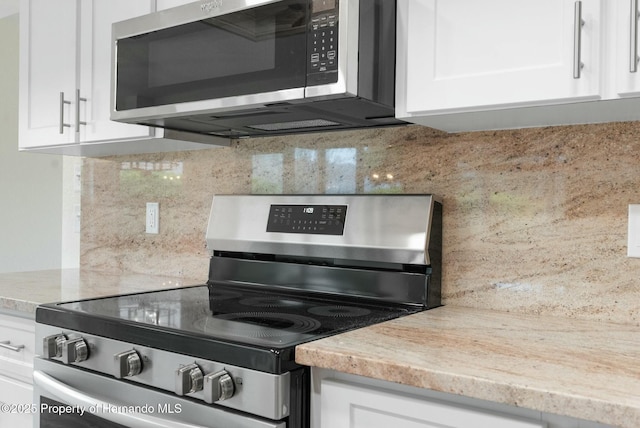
{"x": 241, "y": 68}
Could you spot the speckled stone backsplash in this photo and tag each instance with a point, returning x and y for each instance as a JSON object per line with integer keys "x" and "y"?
{"x": 535, "y": 220}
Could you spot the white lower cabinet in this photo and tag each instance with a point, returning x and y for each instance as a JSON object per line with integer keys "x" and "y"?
{"x": 347, "y": 405}
{"x": 14, "y": 396}
{"x": 341, "y": 400}
{"x": 16, "y": 367}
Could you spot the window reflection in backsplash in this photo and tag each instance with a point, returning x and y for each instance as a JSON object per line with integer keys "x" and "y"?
{"x": 151, "y": 179}
{"x": 382, "y": 182}
{"x": 379, "y": 174}
{"x": 340, "y": 174}
{"x": 331, "y": 171}
{"x": 306, "y": 171}
{"x": 267, "y": 173}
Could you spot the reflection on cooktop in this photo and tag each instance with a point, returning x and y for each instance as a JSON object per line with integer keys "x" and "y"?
{"x": 215, "y": 294}
{"x": 261, "y": 328}
{"x": 271, "y": 302}
{"x": 252, "y": 315}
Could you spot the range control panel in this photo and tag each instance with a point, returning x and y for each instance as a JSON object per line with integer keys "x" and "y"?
{"x": 310, "y": 219}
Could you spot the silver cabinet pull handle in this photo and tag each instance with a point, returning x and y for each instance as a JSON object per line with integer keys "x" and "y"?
{"x": 62, "y": 103}
{"x": 78, "y": 121}
{"x": 633, "y": 46}
{"x": 577, "y": 39}
{"x": 6, "y": 344}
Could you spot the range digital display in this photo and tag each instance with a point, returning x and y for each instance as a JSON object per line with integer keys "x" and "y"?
{"x": 323, "y": 5}
{"x": 309, "y": 219}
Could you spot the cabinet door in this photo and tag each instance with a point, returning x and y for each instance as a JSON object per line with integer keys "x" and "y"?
{"x": 95, "y": 69}
{"x": 346, "y": 405}
{"x": 17, "y": 395}
{"x": 16, "y": 367}
{"x": 468, "y": 55}
{"x": 626, "y": 47}
{"x": 48, "y": 36}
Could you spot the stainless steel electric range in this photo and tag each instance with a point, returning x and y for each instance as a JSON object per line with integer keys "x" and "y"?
{"x": 284, "y": 270}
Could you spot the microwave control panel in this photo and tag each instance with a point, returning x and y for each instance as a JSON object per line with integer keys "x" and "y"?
{"x": 322, "y": 66}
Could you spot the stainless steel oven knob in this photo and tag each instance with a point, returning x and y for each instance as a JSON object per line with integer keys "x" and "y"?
{"x": 74, "y": 350}
{"x": 127, "y": 364}
{"x": 188, "y": 379}
{"x": 52, "y": 346}
{"x": 218, "y": 386}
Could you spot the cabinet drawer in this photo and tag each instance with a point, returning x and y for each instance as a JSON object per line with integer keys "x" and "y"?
{"x": 18, "y": 332}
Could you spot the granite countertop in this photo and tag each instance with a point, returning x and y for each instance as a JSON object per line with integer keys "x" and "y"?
{"x": 22, "y": 292}
{"x": 584, "y": 369}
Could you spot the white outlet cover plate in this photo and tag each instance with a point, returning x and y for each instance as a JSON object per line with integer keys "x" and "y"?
{"x": 633, "y": 234}
{"x": 153, "y": 218}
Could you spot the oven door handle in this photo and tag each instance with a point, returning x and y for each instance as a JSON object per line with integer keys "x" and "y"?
{"x": 71, "y": 396}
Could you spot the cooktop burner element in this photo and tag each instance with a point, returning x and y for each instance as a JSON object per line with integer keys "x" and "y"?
{"x": 264, "y": 324}
{"x": 339, "y": 311}
{"x": 288, "y": 323}
{"x": 270, "y": 302}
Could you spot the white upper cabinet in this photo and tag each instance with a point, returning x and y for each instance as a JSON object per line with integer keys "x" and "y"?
{"x": 626, "y": 48}
{"x": 65, "y": 82}
{"x": 95, "y": 69}
{"x": 470, "y": 65}
{"x": 464, "y": 54}
{"x": 65, "y": 55}
{"x": 47, "y": 72}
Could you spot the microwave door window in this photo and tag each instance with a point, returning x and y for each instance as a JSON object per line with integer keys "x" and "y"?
{"x": 178, "y": 60}
{"x": 253, "y": 51}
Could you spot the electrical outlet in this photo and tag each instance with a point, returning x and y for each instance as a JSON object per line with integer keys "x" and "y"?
{"x": 77, "y": 213}
{"x": 153, "y": 217}
{"x": 633, "y": 234}
{"x": 77, "y": 178}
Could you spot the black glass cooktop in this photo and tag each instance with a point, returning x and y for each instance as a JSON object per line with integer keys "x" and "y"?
{"x": 253, "y": 327}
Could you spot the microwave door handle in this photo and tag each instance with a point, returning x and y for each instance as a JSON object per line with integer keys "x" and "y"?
{"x": 71, "y": 396}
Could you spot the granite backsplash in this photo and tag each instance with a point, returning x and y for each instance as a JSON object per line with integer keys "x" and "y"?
{"x": 535, "y": 220}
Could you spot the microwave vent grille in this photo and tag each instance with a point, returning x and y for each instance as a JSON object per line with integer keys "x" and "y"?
{"x": 298, "y": 124}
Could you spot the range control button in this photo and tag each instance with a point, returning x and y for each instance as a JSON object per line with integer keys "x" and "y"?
{"x": 74, "y": 350}
{"x": 52, "y": 346}
{"x": 188, "y": 379}
{"x": 126, "y": 364}
{"x": 218, "y": 386}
